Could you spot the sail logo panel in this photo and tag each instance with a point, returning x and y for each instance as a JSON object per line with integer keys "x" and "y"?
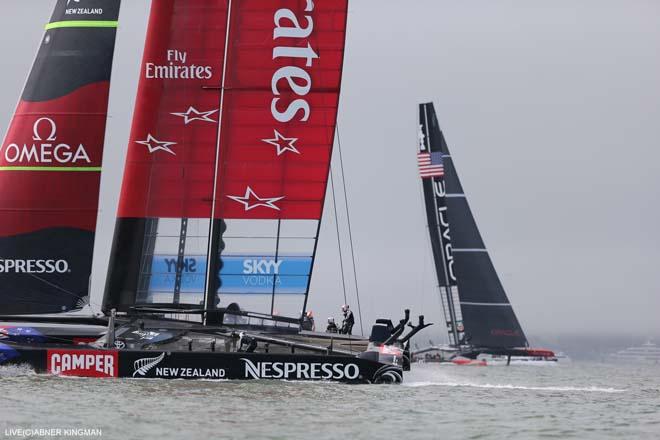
{"x": 241, "y": 274}
{"x": 282, "y": 90}
{"x": 50, "y": 163}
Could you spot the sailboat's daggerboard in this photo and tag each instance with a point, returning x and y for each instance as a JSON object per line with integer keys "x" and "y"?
{"x": 229, "y": 154}
{"x": 50, "y": 163}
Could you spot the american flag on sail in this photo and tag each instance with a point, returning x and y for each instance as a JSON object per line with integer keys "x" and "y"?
{"x": 430, "y": 164}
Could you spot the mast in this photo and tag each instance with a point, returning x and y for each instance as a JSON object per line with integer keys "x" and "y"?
{"x": 50, "y": 164}
{"x": 430, "y": 162}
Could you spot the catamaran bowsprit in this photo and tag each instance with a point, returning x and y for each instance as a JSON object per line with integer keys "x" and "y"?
{"x": 221, "y": 203}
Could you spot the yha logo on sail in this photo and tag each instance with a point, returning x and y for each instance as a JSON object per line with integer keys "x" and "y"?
{"x": 44, "y": 148}
{"x": 82, "y": 363}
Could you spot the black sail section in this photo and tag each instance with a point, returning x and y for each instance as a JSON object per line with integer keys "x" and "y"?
{"x": 488, "y": 317}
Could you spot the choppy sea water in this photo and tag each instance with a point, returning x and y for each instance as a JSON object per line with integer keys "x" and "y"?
{"x": 574, "y": 400}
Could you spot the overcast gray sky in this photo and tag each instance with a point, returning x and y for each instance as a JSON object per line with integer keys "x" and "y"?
{"x": 552, "y": 112}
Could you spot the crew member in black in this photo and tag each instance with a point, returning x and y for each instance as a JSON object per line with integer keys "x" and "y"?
{"x": 332, "y": 327}
{"x": 349, "y": 320}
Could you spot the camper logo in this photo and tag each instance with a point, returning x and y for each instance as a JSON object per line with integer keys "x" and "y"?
{"x": 44, "y": 148}
{"x": 82, "y": 363}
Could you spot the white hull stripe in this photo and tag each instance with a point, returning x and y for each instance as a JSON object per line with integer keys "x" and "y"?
{"x": 486, "y": 304}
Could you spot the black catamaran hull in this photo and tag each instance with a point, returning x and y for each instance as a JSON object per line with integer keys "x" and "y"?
{"x": 54, "y": 330}
{"x": 87, "y": 361}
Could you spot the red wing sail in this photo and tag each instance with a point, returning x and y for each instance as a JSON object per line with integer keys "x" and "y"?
{"x": 166, "y": 199}
{"x": 277, "y": 99}
{"x": 50, "y": 163}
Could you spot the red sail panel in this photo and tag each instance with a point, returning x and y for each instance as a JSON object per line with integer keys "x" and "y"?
{"x": 52, "y": 165}
{"x": 170, "y": 163}
{"x": 280, "y": 107}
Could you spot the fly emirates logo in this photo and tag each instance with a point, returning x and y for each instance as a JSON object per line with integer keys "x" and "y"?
{"x": 296, "y": 29}
{"x": 44, "y": 148}
{"x": 177, "y": 67}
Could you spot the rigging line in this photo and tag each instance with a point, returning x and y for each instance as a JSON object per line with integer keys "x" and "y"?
{"x": 348, "y": 221}
{"x": 62, "y": 289}
{"x": 341, "y": 261}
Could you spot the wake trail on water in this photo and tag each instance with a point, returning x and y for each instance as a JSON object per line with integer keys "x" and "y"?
{"x": 16, "y": 371}
{"x": 591, "y": 389}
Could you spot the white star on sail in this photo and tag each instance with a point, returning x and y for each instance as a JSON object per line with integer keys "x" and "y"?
{"x": 192, "y": 114}
{"x": 282, "y": 148}
{"x": 154, "y": 145}
{"x": 250, "y": 200}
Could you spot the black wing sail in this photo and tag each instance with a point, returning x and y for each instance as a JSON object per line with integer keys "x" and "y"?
{"x": 488, "y": 319}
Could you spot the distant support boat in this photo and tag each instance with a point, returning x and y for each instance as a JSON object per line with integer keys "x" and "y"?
{"x": 648, "y": 354}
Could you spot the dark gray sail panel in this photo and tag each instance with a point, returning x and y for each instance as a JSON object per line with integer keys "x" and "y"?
{"x": 492, "y": 326}
{"x": 452, "y": 183}
{"x": 478, "y": 281}
{"x": 465, "y": 234}
{"x": 488, "y": 318}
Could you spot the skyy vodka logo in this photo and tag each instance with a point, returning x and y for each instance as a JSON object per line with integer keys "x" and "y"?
{"x": 44, "y": 148}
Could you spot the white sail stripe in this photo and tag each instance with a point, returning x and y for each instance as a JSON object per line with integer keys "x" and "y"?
{"x": 469, "y": 249}
{"x": 456, "y": 195}
{"x": 485, "y": 304}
